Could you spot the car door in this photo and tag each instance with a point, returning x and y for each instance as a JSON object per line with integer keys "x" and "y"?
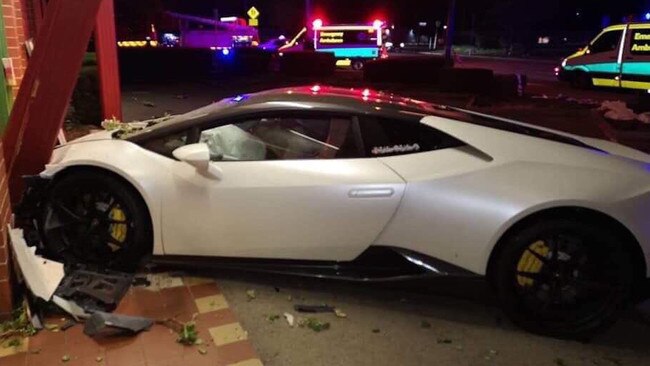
{"x": 636, "y": 58}
{"x": 601, "y": 59}
{"x": 291, "y": 187}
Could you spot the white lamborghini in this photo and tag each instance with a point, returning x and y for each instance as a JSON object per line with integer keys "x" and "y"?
{"x": 361, "y": 185}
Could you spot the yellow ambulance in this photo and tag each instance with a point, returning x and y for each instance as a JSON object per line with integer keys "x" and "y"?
{"x": 618, "y": 57}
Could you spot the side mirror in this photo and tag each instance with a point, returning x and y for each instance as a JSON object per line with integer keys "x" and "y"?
{"x": 198, "y": 156}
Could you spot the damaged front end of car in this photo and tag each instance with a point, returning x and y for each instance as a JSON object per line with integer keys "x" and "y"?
{"x": 29, "y": 213}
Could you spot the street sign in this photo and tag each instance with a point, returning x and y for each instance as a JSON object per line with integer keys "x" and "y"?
{"x": 253, "y": 22}
{"x": 253, "y": 13}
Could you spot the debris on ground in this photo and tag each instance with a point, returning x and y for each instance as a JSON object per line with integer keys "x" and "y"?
{"x": 149, "y": 104}
{"x": 376, "y": 330}
{"x": 161, "y": 281}
{"x": 313, "y": 308}
{"x": 619, "y": 111}
{"x": 425, "y": 324}
{"x": 314, "y": 324}
{"x": 188, "y": 334}
{"x": 42, "y": 276}
{"x": 18, "y": 327}
{"x": 203, "y": 351}
{"x": 99, "y": 359}
{"x": 444, "y": 341}
{"x": 340, "y": 314}
{"x": 251, "y": 295}
{"x": 289, "y": 298}
{"x": 289, "y": 318}
{"x": 273, "y": 317}
{"x": 95, "y": 291}
{"x": 102, "y": 324}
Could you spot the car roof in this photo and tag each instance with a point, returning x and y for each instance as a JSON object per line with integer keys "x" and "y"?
{"x": 314, "y": 98}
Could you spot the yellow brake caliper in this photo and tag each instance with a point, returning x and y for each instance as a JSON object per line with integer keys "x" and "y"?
{"x": 117, "y": 230}
{"x": 530, "y": 264}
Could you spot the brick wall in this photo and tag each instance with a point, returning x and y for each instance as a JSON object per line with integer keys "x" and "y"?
{"x": 16, "y": 33}
{"x": 5, "y": 214}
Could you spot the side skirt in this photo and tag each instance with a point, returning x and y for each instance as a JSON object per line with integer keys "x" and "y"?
{"x": 377, "y": 264}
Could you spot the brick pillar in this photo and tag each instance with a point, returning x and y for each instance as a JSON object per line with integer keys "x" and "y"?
{"x": 5, "y": 214}
{"x": 16, "y": 33}
{"x": 12, "y": 11}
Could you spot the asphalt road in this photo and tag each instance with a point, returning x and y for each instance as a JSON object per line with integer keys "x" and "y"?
{"x": 541, "y": 77}
{"x": 439, "y": 323}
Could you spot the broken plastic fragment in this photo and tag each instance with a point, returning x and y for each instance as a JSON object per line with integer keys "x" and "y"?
{"x": 289, "y": 318}
{"x": 251, "y": 294}
{"x": 42, "y": 276}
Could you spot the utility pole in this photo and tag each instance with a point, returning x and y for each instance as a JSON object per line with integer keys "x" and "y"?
{"x": 451, "y": 29}
{"x": 307, "y": 11}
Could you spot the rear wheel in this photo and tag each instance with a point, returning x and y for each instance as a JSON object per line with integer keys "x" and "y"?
{"x": 97, "y": 219}
{"x": 564, "y": 278}
{"x": 357, "y": 65}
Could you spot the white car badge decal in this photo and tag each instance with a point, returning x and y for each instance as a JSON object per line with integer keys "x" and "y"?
{"x": 385, "y": 150}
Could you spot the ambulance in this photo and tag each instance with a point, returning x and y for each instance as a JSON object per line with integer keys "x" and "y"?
{"x": 618, "y": 57}
{"x": 351, "y": 44}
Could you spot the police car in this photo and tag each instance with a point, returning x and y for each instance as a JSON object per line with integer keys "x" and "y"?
{"x": 618, "y": 57}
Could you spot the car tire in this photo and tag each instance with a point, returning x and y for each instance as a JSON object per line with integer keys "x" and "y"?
{"x": 572, "y": 292}
{"x": 357, "y": 65}
{"x": 582, "y": 80}
{"x": 96, "y": 219}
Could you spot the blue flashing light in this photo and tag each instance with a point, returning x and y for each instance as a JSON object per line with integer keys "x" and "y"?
{"x": 647, "y": 16}
{"x": 225, "y": 52}
{"x": 239, "y": 98}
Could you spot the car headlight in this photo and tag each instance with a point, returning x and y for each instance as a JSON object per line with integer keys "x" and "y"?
{"x": 564, "y": 62}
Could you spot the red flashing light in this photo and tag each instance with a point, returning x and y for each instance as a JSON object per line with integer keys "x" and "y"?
{"x": 366, "y": 92}
{"x": 315, "y": 88}
{"x": 318, "y": 23}
{"x": 377, "y": 24}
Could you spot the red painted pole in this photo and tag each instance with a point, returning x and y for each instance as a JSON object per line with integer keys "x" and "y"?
{"x": 46, "y": 89}
{"x": 109, "y": 72}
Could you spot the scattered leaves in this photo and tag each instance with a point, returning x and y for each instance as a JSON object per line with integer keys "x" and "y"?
{"x": 203, "y": 351}
{"x": 149, "y": 104}
{"x": 273, "y": 317}
{"x": 99, "y": 359}
{"x": 14, "y": 342}
{"x": 18, "y": 326}
{"x": 340, "y": 314}
{"x": 315, "y": 325}
{"x": 188, "y": 335}
{"x": 65, "y": 358}
{"x": 376, "y": 330}
{"x": 444, "y": 341}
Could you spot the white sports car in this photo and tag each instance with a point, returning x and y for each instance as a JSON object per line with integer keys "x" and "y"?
{"x": 366, "y": 186}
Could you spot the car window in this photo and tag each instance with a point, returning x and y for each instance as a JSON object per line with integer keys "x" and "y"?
{"x": 385, "y": 137}
{"x": 640, "y": 44}
{"x": 167, "y": 144}
{"x": 607, "y": 42}
{"x": 282, "y": 139}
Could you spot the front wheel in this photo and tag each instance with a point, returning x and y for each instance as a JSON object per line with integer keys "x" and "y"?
{"x": 564, "y": 278}
{"x": 97, "y": 219}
